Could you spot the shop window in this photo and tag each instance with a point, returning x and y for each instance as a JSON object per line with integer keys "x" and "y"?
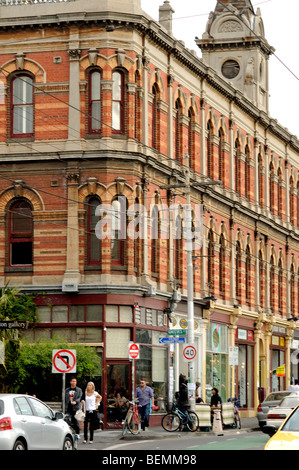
{"x": 117, "y": 341}
{"x": 119, "y": 230}
{"x": 20, "y": 234}
{"x": 22, "y": 106}
{"x": 60, "y": 314}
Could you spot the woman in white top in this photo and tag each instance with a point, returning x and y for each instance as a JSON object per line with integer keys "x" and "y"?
{"x": 91, "y": 403}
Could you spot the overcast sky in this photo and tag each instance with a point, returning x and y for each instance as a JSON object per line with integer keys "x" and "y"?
{"x": 281, "y": 22}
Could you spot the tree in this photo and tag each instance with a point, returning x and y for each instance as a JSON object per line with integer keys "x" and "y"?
{"x": 32, "y": 370}
{"x": 14, "y": 306}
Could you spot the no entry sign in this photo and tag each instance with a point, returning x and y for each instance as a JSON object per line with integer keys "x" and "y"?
{"x": 63, "y": 361}
{"x": 134, "y": 351}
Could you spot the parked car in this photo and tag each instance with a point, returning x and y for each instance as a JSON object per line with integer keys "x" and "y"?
{"x": 287, "y": 435}
{"x": 278, "y": 414}
{"x": 272, "y": 400}
{"x": 27, "y": 423}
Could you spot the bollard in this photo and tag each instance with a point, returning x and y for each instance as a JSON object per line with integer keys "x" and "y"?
{"x": 217, "y": 422}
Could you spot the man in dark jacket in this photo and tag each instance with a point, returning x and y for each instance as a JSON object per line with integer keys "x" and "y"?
{"x": 72, "y": 401}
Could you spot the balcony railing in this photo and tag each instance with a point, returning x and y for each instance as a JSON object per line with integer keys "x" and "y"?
{"x": 8, "y": 3}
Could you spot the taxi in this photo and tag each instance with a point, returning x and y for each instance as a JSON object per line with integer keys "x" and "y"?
{"x": 287, "y": 435}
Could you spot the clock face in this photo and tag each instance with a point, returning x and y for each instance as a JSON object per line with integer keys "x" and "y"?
{"x": 230, "y": 69}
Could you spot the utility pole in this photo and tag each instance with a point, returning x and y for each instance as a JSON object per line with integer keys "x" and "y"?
{"x": 189, "y": 249}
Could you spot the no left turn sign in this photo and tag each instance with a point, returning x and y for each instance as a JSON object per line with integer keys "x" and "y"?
{"x": 63, "y": 361}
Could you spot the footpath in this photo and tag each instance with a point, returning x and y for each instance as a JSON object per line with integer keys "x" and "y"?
{"x": 157, "y": 432}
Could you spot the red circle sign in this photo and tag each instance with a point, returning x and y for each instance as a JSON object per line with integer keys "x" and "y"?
{"x": 189, "y": 352}
{"x": 134, "y": 351}
{"x": 64, "y": 355}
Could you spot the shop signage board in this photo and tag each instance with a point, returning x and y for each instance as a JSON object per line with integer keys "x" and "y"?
{"x": 63, "y": 361}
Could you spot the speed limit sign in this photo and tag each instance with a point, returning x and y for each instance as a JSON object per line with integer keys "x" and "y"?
{"x": 189, "y": 353}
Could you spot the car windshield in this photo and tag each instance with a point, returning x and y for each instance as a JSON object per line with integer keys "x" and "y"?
{"x": 289, "y": 402}
{"x": 277, "y": 396}
{"x": 292, "y": 424}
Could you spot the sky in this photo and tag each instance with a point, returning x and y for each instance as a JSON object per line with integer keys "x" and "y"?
{"x": 281, "y": 31}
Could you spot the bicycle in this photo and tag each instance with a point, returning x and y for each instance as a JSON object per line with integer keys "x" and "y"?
{"x": 175, "y": 419}
{"x": 132, "y": 419}
{"x": 237, "y": 418}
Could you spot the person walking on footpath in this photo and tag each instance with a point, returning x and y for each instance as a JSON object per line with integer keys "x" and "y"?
{"x": 145, "y": 395}
{"x": 91, "y": 402}
{"x": 72, "y": 400}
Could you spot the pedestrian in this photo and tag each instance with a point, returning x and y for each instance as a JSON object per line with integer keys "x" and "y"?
{"x": 198, "y": 399}
{"x": 90, "y": 402}
{"x": 215, "y": 398}
{"x": 72, "y": 400}
{"x": 182, "y": 394}
{"x": 145, "y": 396}
{"x": 294, "y": 386}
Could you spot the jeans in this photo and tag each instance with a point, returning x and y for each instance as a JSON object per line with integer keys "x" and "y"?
{"x": 89, "y": 418}
{"x": 144, "y": 412}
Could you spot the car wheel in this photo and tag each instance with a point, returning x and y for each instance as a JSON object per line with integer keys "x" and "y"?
{"x": 68, "y": 444}
{"x": 19, "y": 445}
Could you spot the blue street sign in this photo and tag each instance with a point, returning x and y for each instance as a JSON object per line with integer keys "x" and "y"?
{"x": 171, "y": 340}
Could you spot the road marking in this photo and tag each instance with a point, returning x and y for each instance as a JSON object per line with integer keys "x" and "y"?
{"x": 128, "y": 444}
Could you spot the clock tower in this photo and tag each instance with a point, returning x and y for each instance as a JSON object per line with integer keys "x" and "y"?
{"x": 234, "y": 45}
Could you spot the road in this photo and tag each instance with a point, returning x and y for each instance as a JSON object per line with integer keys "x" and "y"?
{"x": 188, "y": 442}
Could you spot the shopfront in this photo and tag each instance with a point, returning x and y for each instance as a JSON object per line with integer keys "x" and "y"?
{"x": 217, "y": 364}
{"x": 244, "y": 340}
{"x": 278, "y": 360}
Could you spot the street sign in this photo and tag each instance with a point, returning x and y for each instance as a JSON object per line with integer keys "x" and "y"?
{"x": 171, "y": 340}
{"x": 189, "y": 353}
{"x": 177, "y": 332}
{"x": 233, "y": 356}
{"x": 63, "y": 361}
{"x": 134, "y": 351}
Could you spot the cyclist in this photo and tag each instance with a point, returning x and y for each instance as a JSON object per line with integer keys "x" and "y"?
{"x": 145, "y": 396}
{"x": 182, "y": 395}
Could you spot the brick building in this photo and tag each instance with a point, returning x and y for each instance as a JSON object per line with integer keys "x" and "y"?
{"x": 99, "y": 106}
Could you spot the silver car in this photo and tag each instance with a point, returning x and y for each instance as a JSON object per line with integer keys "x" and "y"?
{"x": 272, "y": 400}
{"x": 27, "y": 423}
{"x": 277, "y": 415}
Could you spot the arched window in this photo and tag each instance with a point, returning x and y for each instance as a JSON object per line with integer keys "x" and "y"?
{"x": 119, "y": 230}
{"x": 93, "y": 242}
{"x": 177, "y": 246}
{"x": 221, "y": 155}
{"x": 221, "y": 266}
{"x": 211, "y": 253}
{"x": 292, "y": 290}
{"x": 273, "y": 286}
{"x": 238, "y": 271}
{"x": 155, "y": 238}
{"x": 20, "y": 234}
{"x": 191, "y": 150}
{"x": 262, "y": 280}
{"x": 247, "y": 172}
{"x": 95, "y": 106}
{"x": 237, "y": 165}
{"x": 22, "y": 106}
{"x": 178, "y": 131}
{"x": 248, "y": 276}
{"x": 210, "y": 161}
{"x": 118, "y": 120}
{"x": 280, "y": 287}
{"x": 155, "y": 131}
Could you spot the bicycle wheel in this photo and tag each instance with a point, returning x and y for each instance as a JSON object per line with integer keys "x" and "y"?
{"x": 126, "y": 422}
{"x": 134, "y": 423}
{"x": 171, "y": 422}
{"x": 237, "y": 421}
{"x": 193, "y": 421}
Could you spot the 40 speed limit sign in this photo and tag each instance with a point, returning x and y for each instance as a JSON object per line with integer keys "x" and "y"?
{"x": 189, "y": 353}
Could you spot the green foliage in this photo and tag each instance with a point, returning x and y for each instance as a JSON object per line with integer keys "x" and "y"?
{"x": 31, "y": 369}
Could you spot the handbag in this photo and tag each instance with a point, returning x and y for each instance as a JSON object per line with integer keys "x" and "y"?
{"x": 80, "y": 415}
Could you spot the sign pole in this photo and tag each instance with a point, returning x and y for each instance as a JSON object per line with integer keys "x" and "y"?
{"x": 63, "y": 393}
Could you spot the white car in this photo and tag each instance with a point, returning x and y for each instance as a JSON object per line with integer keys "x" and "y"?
{"x": 27, "y": 423}
{"x": 278, "y": 414}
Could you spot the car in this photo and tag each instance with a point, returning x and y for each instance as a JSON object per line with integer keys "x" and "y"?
{"x": 272, "y": 400}
{"x": 287, "y": 435}
{"x": 26, "y": 423}
{"x": 277, "y": 415}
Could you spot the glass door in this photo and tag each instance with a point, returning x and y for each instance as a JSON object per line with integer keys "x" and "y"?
{"x": 118, "y": 389}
